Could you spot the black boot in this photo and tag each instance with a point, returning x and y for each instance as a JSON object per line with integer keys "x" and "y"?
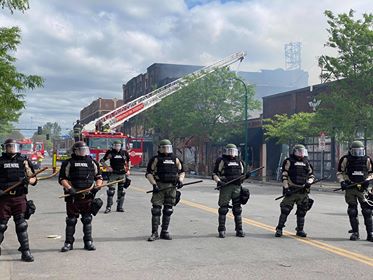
{"x": 352, "y": 215}
{"x": 110, "y": 194}
{"x": 69, "y": 234}
{"x": 285, "y": 211}
{"x": 166, "y": 217}
{"x": 300, "y": 225}
{"x": 120, "y": 202}
{"x": 87, "y": 232}
{"x": 237, "y": 210}
{"x": 156, "y": 220}
{"x": 21, "y": 230}
{"x": 223, "y": 210}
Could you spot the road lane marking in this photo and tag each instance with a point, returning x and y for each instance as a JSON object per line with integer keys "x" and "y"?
{"x": 318, "y": 244}
{"x": 321, "y": 245}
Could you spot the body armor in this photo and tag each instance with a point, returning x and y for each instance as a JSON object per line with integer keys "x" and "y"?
{"x": 118, "y": 160}
{"x": 167, "y": 171}
{"x": 81, "y": 173}
{"x": 357, "y": 169}
{"x": 12, "y": 170}
{"x": 298, "y": 170}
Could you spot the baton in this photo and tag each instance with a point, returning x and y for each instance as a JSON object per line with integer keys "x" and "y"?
{"x": 186, "y": 184}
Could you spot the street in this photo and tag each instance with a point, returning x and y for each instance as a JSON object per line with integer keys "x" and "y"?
{"x": 195, "y": 251}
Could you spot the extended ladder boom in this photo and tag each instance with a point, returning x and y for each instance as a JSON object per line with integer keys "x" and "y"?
{"x": 136, "y": 106}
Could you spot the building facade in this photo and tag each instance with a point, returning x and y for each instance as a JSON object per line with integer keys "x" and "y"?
{"x": 98, "y": 108}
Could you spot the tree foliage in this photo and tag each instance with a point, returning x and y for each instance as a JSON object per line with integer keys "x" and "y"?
{"x": 290, "y": 129}
{"x": 211, "y": 107}
{"x": 13, "y": 84}
{"x": 13, "y": 5}
{"x": 348, "y": 107}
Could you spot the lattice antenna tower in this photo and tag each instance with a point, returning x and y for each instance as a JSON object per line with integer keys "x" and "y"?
{"x": 293, "y": 55}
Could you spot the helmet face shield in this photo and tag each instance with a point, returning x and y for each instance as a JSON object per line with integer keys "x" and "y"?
{"x": 357, "y": 152}
{"x": 166, "y": 149}
{"x": 12, "y": 148}
{"x": 82, "y": 151}
{"x": 117, "y": 146}
{"x": 233, "y": 152}
{"x": 301, "y": 152}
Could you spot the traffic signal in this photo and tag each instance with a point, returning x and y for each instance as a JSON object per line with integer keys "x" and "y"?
{"x": 40, "y": 130}
{"x": 47, "y": 136}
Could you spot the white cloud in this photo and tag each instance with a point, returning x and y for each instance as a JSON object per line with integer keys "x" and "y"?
{"x": 86, "y": 49}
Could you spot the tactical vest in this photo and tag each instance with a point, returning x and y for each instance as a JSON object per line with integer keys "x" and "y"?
{"x": 118, "y": 160}
{"x": 167, "y": 170}
{"x": 298, "y": 170}
{"x": 82, "y": 172}
{"x": 357, "y": 169}
{"x": 12, "y": 170}
{"x": 231, "y": 169}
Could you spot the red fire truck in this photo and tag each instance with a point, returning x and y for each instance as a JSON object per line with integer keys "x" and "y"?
{"x": 27, "y": 149}
{"x": 100, "y": 142}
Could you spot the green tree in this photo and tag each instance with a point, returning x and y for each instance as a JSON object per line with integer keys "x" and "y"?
{"x": 12, "y": 5}
{"x": 211, "y": 108}
{"x": 12, "y": 82}
{"x": 290, "y": 129}
{"x": 347, "y": 108}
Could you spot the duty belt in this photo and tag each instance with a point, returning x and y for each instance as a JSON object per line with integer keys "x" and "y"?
{"x": 82, "y": 196}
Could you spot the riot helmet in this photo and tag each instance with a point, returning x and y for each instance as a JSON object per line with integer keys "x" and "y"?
{"x": 11, "y": 146}
{"x": 357, "y": 149}
{"x": 300, "y": 151}
{"x": 117, "y": 145}
{"x": 80, "y": 148}
{"x": 165, "y": 147}
{"x": 231, "y": 150}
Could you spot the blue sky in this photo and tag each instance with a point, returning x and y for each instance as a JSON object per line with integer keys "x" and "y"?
{"x": 88, "y": 48}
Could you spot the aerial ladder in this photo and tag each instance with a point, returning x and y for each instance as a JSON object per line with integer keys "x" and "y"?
{"x": 123, "y": 113}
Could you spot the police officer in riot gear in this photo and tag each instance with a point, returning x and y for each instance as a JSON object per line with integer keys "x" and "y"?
{"x": 165, "y": 172}
{"x": 119, "y": 169}
{"x": 13, "y": 169}
{"x": 227, "y": 168}
{"x": 297, "y": 177}
{"x": 77, "y": 131}
{"x": 355, "y": 170}
{"x": 78, "y": 173}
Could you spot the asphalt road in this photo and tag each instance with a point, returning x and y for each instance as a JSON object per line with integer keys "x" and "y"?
{"x": 195, "y": 251}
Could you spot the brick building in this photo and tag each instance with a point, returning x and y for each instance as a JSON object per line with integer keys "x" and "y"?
{"x": 98, "y": 108}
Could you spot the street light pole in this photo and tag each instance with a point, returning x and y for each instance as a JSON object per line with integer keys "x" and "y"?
{"x": 246, "y": 131}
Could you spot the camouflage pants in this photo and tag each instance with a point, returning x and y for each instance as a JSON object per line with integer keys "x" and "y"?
{"x": 296, "y": 198}
{"x": 353, "y": 196}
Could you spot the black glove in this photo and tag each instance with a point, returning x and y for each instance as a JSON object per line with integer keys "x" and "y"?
{"x": 94, "y": 191}
{"x": 71, "y": 191}
{"x": 247, "y": 175}
{"x": 286, "y": 192}
{"x": 221, "y": 184}
{"x": 127, "y": 183}
{"x": 2, "y": 193}
{"x": 155, "y": 188}
{"x": 345, "y": 184}
{"x": 179, "y": 184}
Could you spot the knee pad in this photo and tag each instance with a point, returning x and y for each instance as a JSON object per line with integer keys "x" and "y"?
{"x": 223, "y": 210}
{"x": 352, "y": 210}
{"x": 286, "y": 209}
{"x": 110, "y": 191}
{"x": 167, "y": 210}
{"x": 156, "y": 210}
{"x": 301, "y": 212}
{"x": 367, "y": 213}
{"x": 21, "y": 225}
{"x": 86, "y": 219}
{"x": 237, "y": 210}
{"x": 71, "y": 221}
